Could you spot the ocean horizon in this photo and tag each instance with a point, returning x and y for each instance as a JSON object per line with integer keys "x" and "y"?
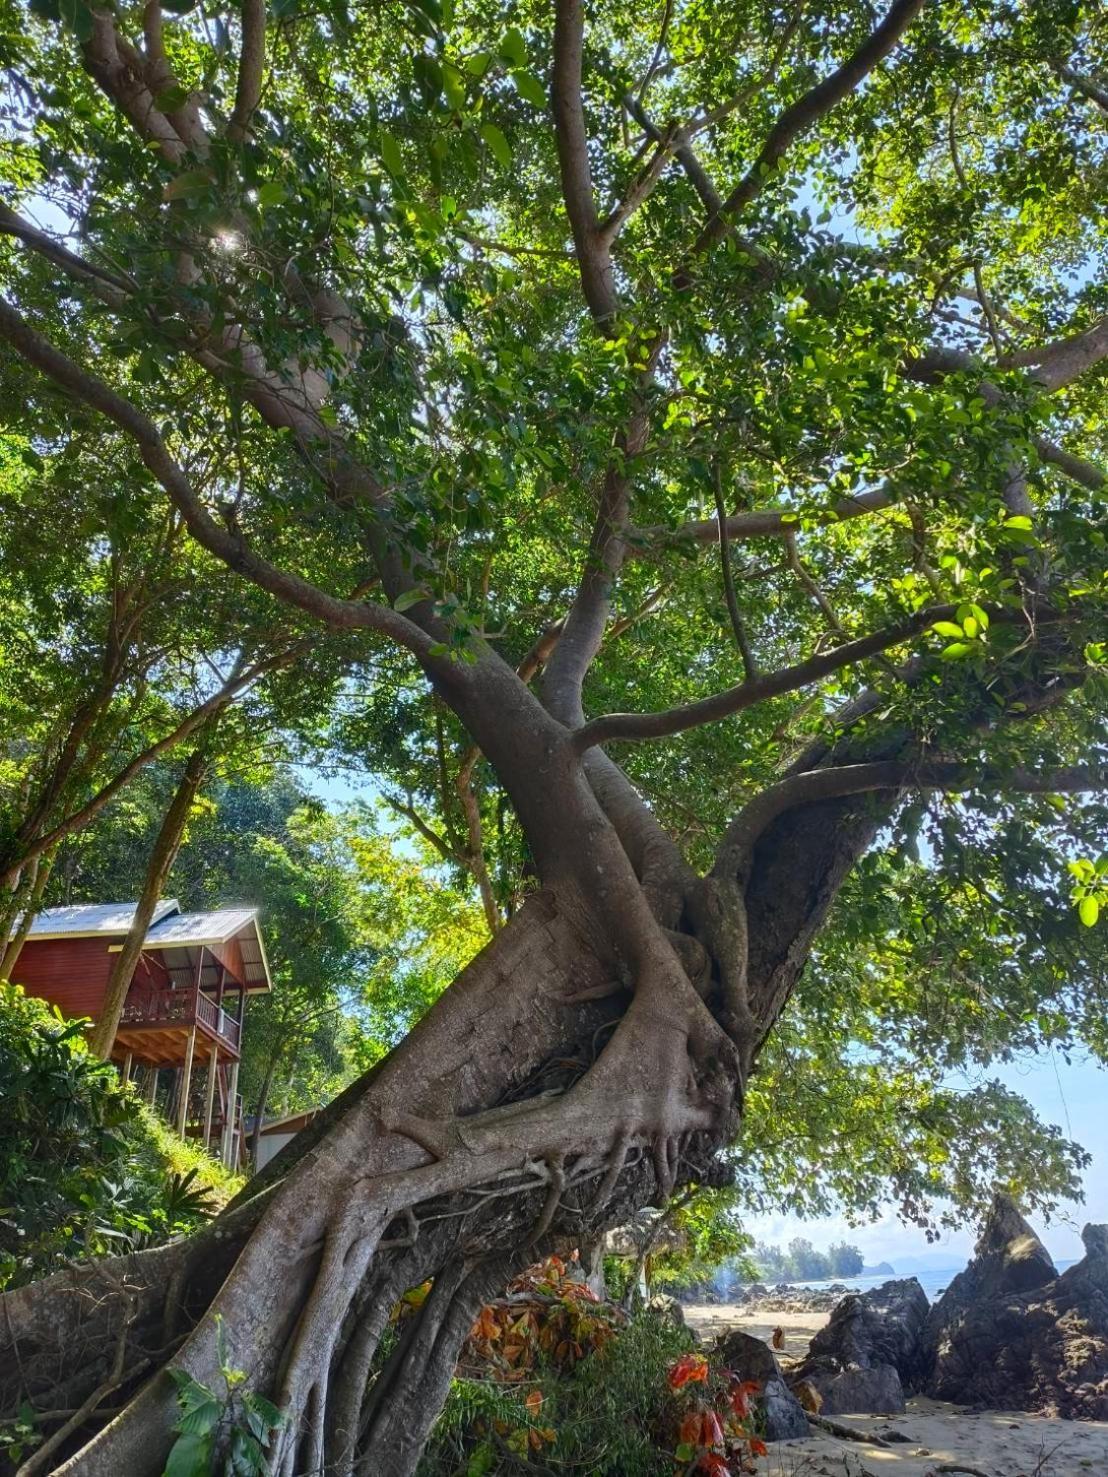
{"x": 934, "y": 1281}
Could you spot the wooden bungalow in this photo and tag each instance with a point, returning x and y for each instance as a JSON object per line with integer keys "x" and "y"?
{"x": 185, "y": 1007}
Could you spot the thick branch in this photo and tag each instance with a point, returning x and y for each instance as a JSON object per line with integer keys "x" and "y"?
{"x": 835, "y": 782}
{"x": 251, "y": 66}
{"x": 593, "y": 257}
{"x": 806, "y": 111}
{"x": 746, "y": 694}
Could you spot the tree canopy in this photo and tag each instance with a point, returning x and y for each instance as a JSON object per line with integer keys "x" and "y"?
{"x": 667, "y": 451}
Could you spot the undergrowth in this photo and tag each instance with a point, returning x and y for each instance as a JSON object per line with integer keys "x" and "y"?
{"x": 86, "y": 1169}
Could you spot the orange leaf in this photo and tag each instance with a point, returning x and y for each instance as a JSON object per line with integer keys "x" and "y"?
{"x": 688, "y": 1369}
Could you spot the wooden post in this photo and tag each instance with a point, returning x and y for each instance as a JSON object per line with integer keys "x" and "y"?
{"x": 126, "y": 1073}
{"x": 152, "y": 1087}
{"x": 186, "y": 1083}
{"x": 213, "y": 1068}
{"x": 229, "y": 1116}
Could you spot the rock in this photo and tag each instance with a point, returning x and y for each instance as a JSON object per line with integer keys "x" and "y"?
{"x": 870, "y": 1349}
{"x": 781, "y": 1413}
{"x": 1004, "y": 1337}
{"x": 875, "y": 1390}
{"x": 809, "y": 1397}
{"x": 666, "y": 1309}
{"x": 1008, "y": 1257}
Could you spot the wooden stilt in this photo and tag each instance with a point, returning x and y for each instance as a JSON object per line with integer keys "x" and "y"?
{"x": 229, "y": 1117}
{"x": 186, "y": 1083}
{"x": 126, "y": 1072}
{"x": 152, "y": 1086}
{"x": 209, "y": 1106}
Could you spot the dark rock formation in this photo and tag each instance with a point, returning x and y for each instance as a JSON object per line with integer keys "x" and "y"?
{"x": 1008, "y": 1257}
{"x": 1010, "y": 1333}
{"x": 870, "y": 1349}
{"x": 781, "y": 1415}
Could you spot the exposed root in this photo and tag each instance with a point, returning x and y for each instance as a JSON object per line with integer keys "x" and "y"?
{"x": 667, "y": 1157}
{"x": 617, "y": 1159}
{"x": 434, "y": 1138}
{"x": 595, "y": 992}
{"x": 396, "y": 1243}
{"x": 37, "y": 1461}
{"x": 555, "y": 1165}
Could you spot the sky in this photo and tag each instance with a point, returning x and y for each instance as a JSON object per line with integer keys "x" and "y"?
{"x": 1073, "y": 1096}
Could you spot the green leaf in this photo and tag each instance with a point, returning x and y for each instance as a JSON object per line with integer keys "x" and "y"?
{"x": 955, "y": 651}
{"x": 513, "y": 48}
{"x": 190, "y": 1456}
{"x": 172, "y": 98}
{"x": 272, "y": 193}
{"x": 410, "y": 598}
{"x": 454, "y": 86}
{"x": 949, "y": 629}
{"x": 390, "y": 155}
{"x": 1088, "y": 910}
{"x": 76, "y": 16}
{"x": 497, "y": 144}
{"x": 530, "y": 88}
{"x": 189, "y": 184}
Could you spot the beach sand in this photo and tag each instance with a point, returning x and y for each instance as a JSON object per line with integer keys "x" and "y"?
{"x": 941, "y": 1438}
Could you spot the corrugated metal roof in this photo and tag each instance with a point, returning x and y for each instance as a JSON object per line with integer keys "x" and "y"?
{"x": 199, "y": 928}
{"x": 86, "y": 920}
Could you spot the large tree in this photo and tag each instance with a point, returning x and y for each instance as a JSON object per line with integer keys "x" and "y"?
{"x": 689, "y": 540}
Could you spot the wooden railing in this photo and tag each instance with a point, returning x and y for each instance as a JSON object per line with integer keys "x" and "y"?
{"x": 147, "y": 1006}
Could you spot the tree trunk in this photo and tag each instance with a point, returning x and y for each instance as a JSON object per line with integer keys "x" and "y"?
{"x": 263, "y": 1099}
{"x": 40, "y": 876}
{"x": 556, "y": 1087}
{"x": 102, "y": 1036}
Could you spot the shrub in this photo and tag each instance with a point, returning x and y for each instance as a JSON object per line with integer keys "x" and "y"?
{"x": 85, "y": 1168}
{"x": 550, "y": 1380}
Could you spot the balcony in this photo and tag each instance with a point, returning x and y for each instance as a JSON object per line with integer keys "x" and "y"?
{"x": 175, "y": 1011}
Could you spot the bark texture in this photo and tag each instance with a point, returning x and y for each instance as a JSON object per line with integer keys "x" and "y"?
{"x": 571, "y": 1074}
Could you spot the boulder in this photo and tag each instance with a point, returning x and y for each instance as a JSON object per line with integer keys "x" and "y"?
{"x": 781, "y": 1417}
{"x": 1008, "y": 1257}
{"x": 1003, "y": 1339}
{"x": 871, "y": 1348}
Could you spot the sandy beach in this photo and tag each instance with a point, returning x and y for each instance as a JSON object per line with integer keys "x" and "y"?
{"x": 930, "y": 1439}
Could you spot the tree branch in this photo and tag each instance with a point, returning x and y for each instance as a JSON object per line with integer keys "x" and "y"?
{"x": 637, "y": 726}
{"x": 571, "y": 137}
{"x": 807, "y": 110}
{"x": 228, "y": 546}
{"x": 251, "y": 67}
{"x": 833, "y": 783}
{"x": 738, "y": 628}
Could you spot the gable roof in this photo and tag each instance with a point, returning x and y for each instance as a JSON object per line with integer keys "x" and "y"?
{"x": 87, "y": 920}
{"x": 186, "y": 934}
{"x": 192, "y": 932}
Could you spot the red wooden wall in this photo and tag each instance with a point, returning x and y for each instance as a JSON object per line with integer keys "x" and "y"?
{"x": 73, "y": 973}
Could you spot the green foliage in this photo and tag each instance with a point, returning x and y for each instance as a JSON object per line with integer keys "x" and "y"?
{"x": 954, "y": 201}
{"x": 221, "y": 1435}
{"x": 84, "y": 1170}
{"x": 613, "y": 1415}
{"x": 709, "y": 1227}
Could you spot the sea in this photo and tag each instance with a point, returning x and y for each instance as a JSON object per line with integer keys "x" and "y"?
{"x": 934, "y": 1280}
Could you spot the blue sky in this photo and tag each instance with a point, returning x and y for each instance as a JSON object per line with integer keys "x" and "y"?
{"x": 1073, "y": 1096}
